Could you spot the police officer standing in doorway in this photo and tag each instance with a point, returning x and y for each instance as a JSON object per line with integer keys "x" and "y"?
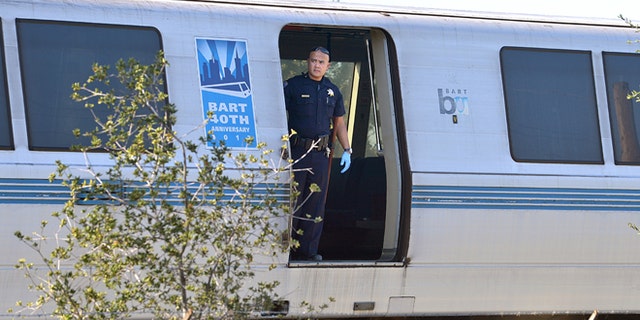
{"x": 313, "y": 103}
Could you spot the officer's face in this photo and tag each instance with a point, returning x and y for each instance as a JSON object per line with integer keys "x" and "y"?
{"x": 318, "y": 64}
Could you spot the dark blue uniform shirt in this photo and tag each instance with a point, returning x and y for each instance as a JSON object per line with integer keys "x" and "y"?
{"x": 311, "y": 105}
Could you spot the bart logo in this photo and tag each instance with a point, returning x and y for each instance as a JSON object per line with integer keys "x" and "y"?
{"x": 458, "y": 104}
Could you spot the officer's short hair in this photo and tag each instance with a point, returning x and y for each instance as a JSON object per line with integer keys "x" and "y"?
{"x": 321, "y": 49}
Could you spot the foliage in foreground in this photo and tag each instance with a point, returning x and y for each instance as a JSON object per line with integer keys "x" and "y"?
{"x": 634, "y": 94}
{"x": 165, "y": 230}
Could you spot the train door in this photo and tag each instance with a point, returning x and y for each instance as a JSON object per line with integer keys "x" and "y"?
{"x": 366, "y": 217}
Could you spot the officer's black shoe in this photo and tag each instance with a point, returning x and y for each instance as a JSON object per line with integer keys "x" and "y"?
{"x": 315, "y": 257}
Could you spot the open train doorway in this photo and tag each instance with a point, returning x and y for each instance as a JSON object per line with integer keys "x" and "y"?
{"x": 365, "y": 219}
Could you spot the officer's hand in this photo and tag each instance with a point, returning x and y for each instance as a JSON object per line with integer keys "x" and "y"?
{"x": 345, "y": 161}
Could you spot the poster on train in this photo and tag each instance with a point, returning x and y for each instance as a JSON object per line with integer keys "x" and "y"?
{"x": 225, "y": 90}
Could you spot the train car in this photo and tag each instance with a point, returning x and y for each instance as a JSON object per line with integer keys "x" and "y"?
{"x": 496, "y": 157}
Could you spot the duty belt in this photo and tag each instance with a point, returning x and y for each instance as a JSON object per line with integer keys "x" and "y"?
{"x": 321, "y": 143}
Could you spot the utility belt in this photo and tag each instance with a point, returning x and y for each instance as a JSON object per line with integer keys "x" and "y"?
{"x": 321, "y": 143}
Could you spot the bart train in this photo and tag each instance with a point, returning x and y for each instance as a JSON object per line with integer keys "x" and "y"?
{"x": 496, "y": 157}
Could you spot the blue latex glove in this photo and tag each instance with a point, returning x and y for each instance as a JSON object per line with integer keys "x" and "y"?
{"x": 345, "y": 161}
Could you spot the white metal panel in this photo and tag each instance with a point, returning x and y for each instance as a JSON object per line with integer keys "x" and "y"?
{"x": 460, "y": 260}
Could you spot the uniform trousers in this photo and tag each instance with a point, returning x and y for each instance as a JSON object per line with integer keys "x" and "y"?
{"x": 309, "y": 205}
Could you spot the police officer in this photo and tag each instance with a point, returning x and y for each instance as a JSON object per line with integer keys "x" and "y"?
{"x": 313, "y": 103}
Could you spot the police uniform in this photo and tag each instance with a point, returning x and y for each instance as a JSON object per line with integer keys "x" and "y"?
{"x": 310, "y": 106}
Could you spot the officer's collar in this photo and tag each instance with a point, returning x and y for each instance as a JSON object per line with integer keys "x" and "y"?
{"x": 306, "y": 75}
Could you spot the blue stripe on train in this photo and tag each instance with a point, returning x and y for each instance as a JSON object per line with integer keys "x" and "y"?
{"x": 478, "y": 197}
{"x": 41, "y": 191}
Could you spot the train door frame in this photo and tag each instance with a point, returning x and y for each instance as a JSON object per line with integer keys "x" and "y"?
{"x": 377, "y": 70}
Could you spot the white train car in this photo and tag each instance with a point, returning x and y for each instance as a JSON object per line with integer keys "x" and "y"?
{"x": 496, "y": 163}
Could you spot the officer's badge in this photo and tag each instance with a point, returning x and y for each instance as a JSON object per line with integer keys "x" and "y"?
{"x": 330, "y": 92}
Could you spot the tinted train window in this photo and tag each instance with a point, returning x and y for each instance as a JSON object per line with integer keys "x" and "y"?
{"x": 622, "y": 75}
{"x": 6, "y": 141}
{"x": 54, "y": 55}
{"x": 551, "y": 105}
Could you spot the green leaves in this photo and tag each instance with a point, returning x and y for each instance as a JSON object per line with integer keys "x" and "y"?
{"x": 168, "y": 229}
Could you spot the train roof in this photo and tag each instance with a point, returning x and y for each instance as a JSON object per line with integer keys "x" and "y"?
{"x": 415, "y": 10}
{"x": 389, "y": 10}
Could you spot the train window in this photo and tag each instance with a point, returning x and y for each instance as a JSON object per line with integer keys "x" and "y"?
{"x": 551, "y": 106}
{"x": 54, "y": 55}
{"x": 6, "y": 137}
{"x": 622, "y": 75}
